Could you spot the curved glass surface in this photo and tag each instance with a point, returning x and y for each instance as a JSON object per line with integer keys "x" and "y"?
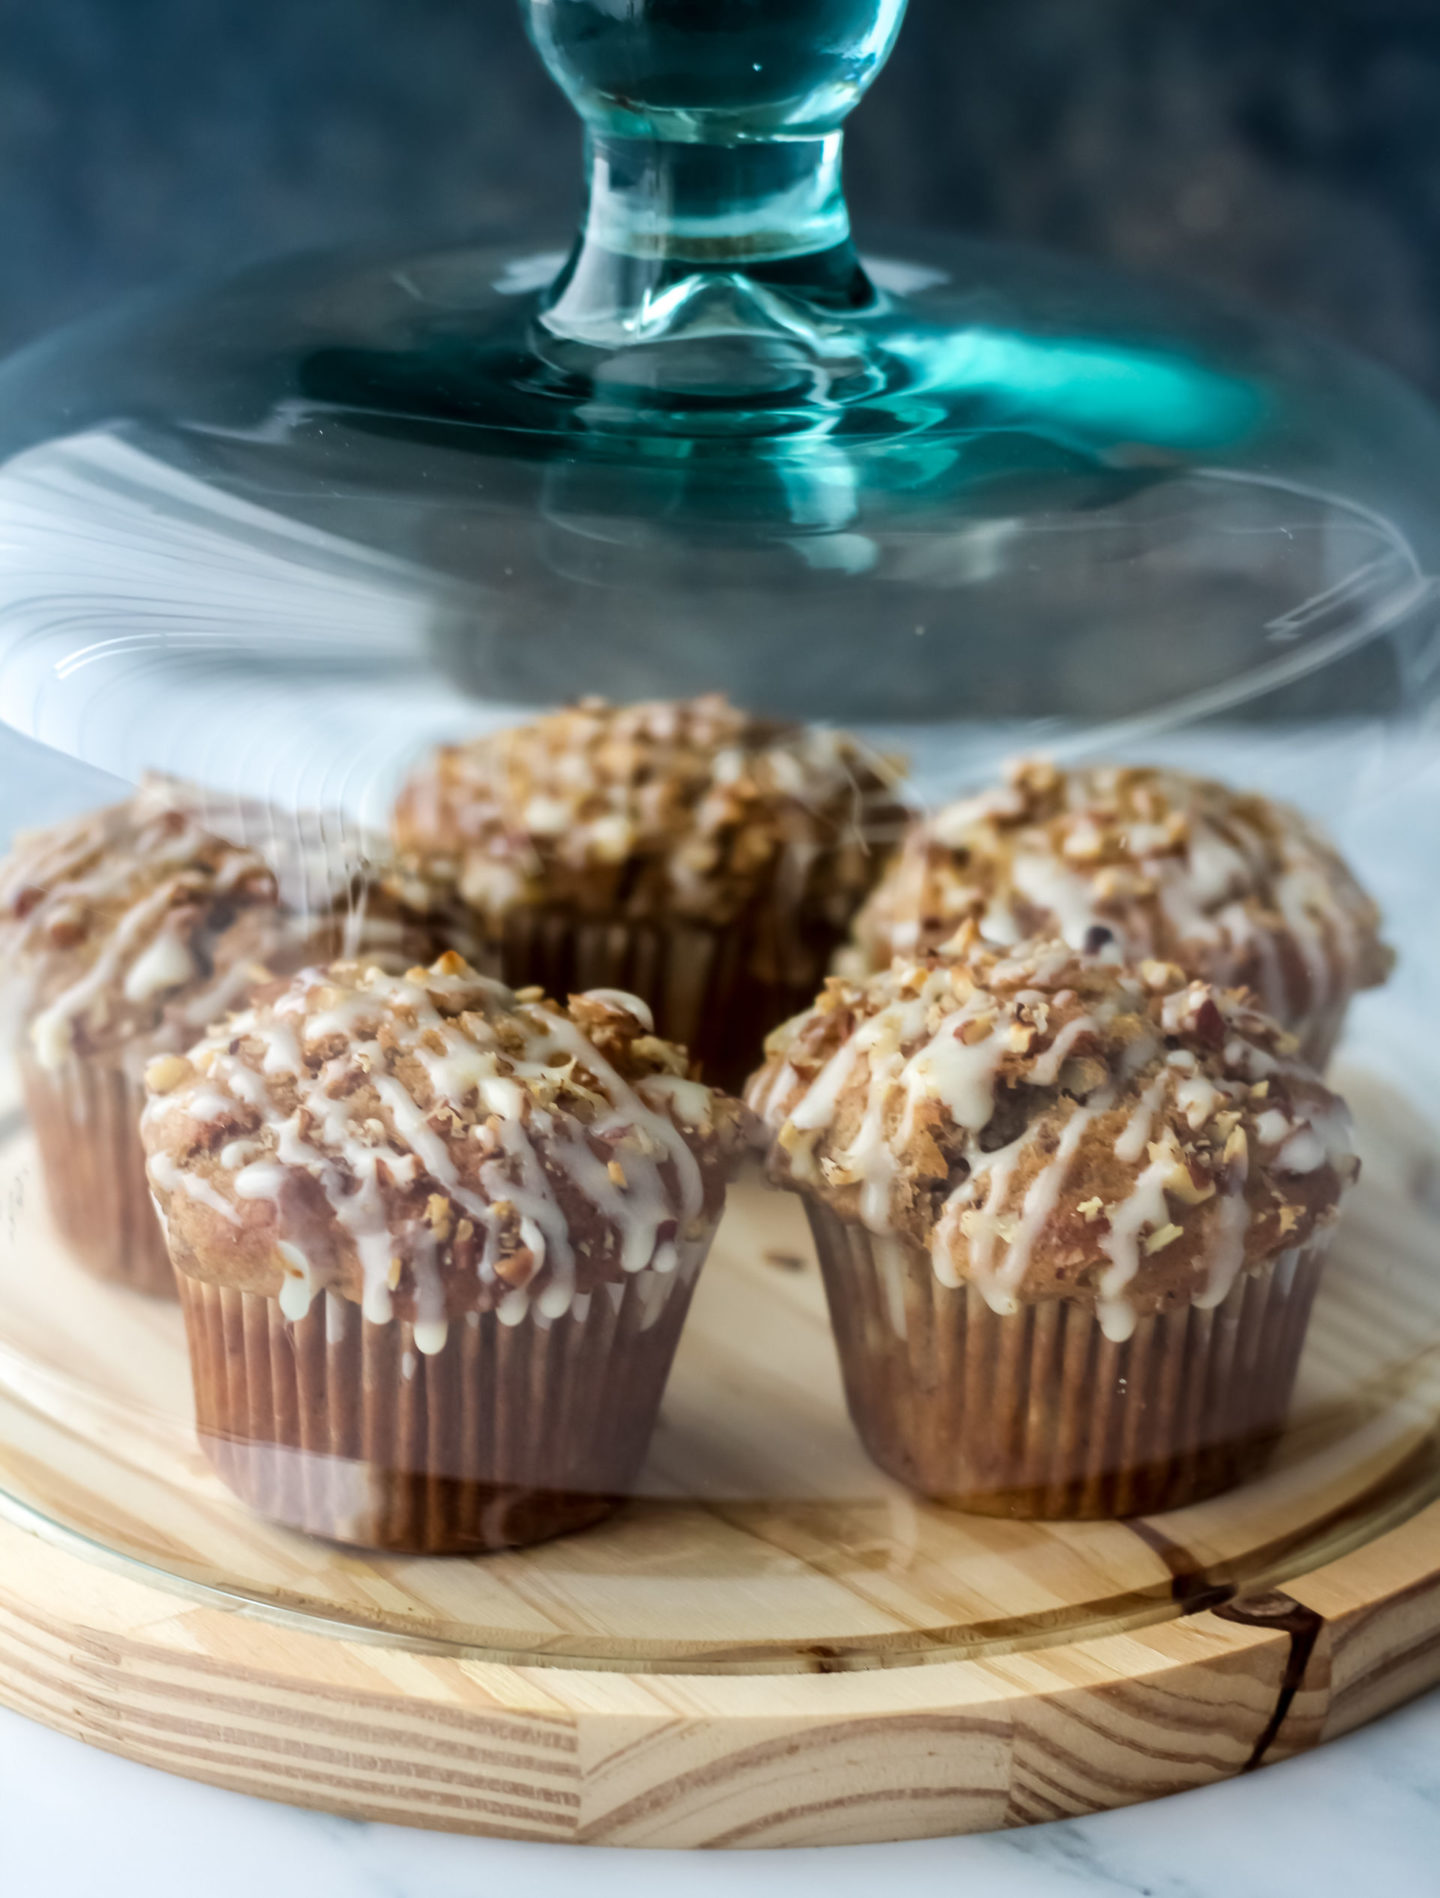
{"x": 281, "y": 539}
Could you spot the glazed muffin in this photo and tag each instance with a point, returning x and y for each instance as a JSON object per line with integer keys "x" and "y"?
{"x": 125, "y": 933}
{"x": 435, "y": 1242}
{"x": 704, "y": 859}
{"x": 1130, "y": 862}
{"x": 1071, "y": 1218}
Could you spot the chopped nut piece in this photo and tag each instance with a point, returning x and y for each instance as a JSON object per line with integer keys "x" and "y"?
{"x": 392, "y": 1277}
{"x": 1084, "y": 846}
{"x": 837, "y": 1173}
{"x": 1091, "y": 1209}
{"x": 1182, "y": 1185}
{"x": 439, "y": 1215}
{"x": 792, "y": 1138}
{"x": 1236, "y": 1146}
{"x": 664, "y": 1054}
{"x": 979, "y": 1029}
{"x": 1165, "y": 1236}
{"x": 516, "y": 1268}
{"x": 533, "y": 993}
{"x": 1082, "y": 1075}
{"x": 1114, "y": 884}
{"x": 165, "y": 1073}
{"x": 1289, "y": 1218}
{"x": 617, "y": 1173}
{"x": 1259, "y": 1091}
{"x": 1160, "y": 975}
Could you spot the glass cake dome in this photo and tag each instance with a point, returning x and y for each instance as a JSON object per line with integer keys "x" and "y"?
{"x": 1020, "y": 1235}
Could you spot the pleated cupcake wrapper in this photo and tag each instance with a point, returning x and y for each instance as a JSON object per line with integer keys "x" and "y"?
{"x": 508, "y": 1435}
{"x": 1038, "y": 1413}
{"x": 86, "y": 1119}
{"x": 700, "y": 981}
{"x": 1319, "y": 1031}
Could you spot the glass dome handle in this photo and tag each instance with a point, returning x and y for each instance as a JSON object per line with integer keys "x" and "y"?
{"x": 713, "y": 155}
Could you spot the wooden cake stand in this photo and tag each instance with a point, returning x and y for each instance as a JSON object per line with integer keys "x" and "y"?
{"x": 772, "y": 1645}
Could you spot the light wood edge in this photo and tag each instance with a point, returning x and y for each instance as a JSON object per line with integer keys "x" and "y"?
{"x": 383, "y": 1732}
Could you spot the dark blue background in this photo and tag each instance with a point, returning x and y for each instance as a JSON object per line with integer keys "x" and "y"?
{"x": 1288, "y": 151}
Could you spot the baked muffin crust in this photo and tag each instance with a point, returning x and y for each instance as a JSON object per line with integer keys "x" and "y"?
{"x": 1047, "y": 1124}
{"x": 135, "y": 926}
{"x": 670, "y": 809}
{"x": 1130, "y": 862}
{"x": 131, "y": 924}
{"x": 434, "y": 1144}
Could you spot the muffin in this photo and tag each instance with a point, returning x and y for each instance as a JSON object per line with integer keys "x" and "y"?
{"x": 335, "y": 878}
{"x": 1131, "y": 862}
{"x": 125, "y": 933}
{"x": 435, "y": 1243}
{"x": 701, "y": 858}
{"x": 1071, "y": 1218}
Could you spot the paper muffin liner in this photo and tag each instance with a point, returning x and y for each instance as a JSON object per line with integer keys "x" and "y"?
{"x": 1038, "y": 1413}
{"x": 1319, "y": 1030}
{"x": 508, "y": 1435}
{"x": 699, "y": 980}
{"x": 86, "y": 1119}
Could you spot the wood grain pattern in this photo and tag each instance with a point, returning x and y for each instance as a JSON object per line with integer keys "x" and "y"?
{"x": 726, "y": 1663}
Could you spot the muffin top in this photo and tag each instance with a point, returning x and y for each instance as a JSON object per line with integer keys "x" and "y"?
{"x": 689, "y": 808}
{"x": 433, "y": 1143}
{"x": 132, "y": 928}
{"x": 1132, "y": 861}
{"x": 131, "y": 923}
{"x": 337, "y": 880}
{"x": 1048, "y": 1124}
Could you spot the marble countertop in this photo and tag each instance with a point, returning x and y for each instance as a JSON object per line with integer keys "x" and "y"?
{"x": 1362, "y": 1814}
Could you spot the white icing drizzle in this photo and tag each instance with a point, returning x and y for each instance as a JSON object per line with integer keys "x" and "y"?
{"x": 1272, "y": 1127}
{"x": 1134, "y": 1136}
{"x": 52, "y": 1030}
{"x": 1046, "y": 1071}
{"x": 1134, "y": 864}
{"x": 1232, "y": 1223}
{"x": 349, "y": 1162}
{"x": 1145, "y": 1205}
{"x": 931, "y": 1037}
{"x": 1303, "y": 1152}
{"x": 165, "y": 1174}
{"x": 627, "y": 1005}
{"x": 139, "y": 860}
{"x": 166, "y": 964}
{"x": 300, "y": 1283}
{"x": 1063, "y": 893}
{"x": 1041, "y": 1199}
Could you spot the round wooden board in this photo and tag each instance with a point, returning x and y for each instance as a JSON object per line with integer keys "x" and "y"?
{"x": 772, "y": 1645}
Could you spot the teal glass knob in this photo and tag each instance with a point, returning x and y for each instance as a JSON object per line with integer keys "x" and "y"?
{"x": 719, "y": 72}
{"x": 713, "y": 145}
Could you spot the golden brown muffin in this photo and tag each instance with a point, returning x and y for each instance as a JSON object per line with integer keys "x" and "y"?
{"x": 449, "y": 1235}
{"x": 127, "y": 931}
{"x": 704, "y": 859}
{"x": 1132, "y": 861}
{"x": 1071, "y": 1219}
